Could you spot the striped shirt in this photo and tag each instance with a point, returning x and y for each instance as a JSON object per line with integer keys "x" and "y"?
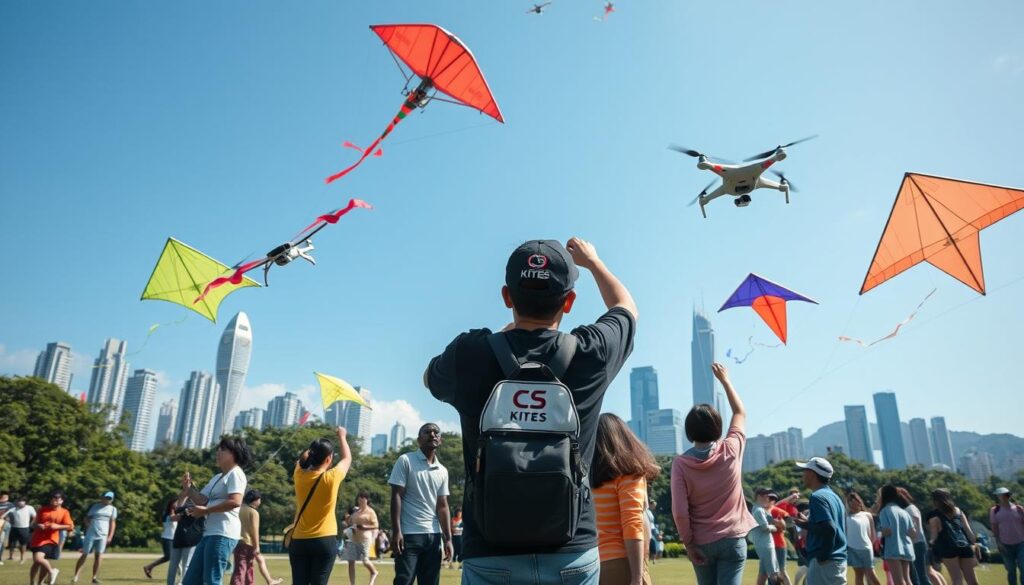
{"x": 620, "y": 506}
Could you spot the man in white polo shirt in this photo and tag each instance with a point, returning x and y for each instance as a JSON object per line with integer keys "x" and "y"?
{"x": 419, "y": 511}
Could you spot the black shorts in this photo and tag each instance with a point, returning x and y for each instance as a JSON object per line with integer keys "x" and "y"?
{"x": 953, "y": 552}
{"x": 19, "y": 537}
{"x": 50, "y": 551}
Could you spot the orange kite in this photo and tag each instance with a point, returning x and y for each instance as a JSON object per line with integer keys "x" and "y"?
{"x": 937, "y": 220}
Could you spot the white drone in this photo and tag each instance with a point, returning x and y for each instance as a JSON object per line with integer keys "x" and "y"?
{"x": 739, "y": 180}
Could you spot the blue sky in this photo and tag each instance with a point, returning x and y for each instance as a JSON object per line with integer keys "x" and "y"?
{"x": 123, "y": 123}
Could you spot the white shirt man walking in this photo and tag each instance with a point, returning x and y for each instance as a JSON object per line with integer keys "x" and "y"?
{"x": 101, "y": 524}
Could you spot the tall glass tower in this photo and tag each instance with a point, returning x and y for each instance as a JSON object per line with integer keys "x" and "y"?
{"x": 942, "y": 442}
{"x": 922, "y": 442}
{"x": 858, "y": 433}
{"x": 199, "y": 397}
{"x": 232, "y": 365}
{"x": 138, "y": 400}
{"x": 109, "y": 378}
{"x": 702, "y": 355}
{"x": 643, "y": 398}
{"x": 894, "y": 454}
{"x": 54, "y": 365}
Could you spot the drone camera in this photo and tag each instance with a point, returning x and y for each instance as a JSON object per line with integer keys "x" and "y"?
{"x": 742, "y": 201}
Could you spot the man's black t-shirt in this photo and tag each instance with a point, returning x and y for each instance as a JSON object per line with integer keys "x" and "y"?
{"x": 467, "y": 371}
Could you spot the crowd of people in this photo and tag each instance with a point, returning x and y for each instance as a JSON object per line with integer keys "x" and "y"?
{"x": 556, "y": 492}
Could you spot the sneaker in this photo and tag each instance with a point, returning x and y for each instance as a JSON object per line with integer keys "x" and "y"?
{"x": 95, "y": 581}
{"x": 74, "y": 579}
{"x": 53, "y": 576}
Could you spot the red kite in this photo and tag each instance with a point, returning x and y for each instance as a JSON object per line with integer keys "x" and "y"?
{"x": 937, "y": 220}
{"x": 443, "y": 64}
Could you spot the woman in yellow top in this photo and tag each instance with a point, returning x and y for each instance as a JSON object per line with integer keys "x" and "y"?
{"x": 621, "y": 468}
{"x": 315, "y": 536}
{"x": 364, "y": 526}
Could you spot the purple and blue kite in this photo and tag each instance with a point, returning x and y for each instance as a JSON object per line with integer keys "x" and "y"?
{"x": 767, "y": 299}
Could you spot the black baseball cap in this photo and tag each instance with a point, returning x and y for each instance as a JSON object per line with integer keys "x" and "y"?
{"x": 540, "y": 268}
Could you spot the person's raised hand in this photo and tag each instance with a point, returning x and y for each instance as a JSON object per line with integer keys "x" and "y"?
{"x": 720, "y": 372}
{"x": 342, "y": 433}
{"x": 583, "y": 253}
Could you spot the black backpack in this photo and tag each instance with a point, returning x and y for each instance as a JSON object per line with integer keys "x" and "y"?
{"x": 530, "y": 484}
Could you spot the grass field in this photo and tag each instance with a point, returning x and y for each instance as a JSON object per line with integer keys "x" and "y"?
{"x": 122, "y": 571}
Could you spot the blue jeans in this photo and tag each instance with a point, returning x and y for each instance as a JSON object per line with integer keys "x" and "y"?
{"x": 1013, "y": 560}
{"x": 209, "y": 561}
{"x": 544, "y": 569}
{"x": 723, "y": 562}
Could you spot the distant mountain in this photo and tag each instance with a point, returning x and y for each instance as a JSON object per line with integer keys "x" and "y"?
{"x": 1001, "y": 446}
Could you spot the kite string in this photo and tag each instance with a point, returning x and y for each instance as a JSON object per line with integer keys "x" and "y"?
{"x": 866, "y": 351}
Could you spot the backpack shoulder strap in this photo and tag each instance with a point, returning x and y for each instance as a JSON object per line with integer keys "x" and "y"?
{"x": 509, "y": 362}
{"x": 503, "y": 351}
{"x": 563, "y": 355}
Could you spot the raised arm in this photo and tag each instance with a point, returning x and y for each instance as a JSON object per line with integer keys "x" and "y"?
{"x": 189, "y": 491}
{"x": 345, "y": 461}
{"x": 613, "y": 292}
{"x": 739, "y": 413}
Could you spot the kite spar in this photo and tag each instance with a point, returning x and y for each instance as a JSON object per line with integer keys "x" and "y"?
{"x": 937, "y": 220}
{"x": 442, "y": 63}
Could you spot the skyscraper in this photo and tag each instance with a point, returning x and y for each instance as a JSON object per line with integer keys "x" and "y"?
{"x": 232, "y": 365}
{"x": 796, "y": 443}
{"x": 702, "y": 355}
{"x": 379, "y": 445}
{"x": 643, "y": 398}
{"x": 284, "y": 411}
{"x": 977, "y": 466}
{"x": 138, "y": 400}
{"x": 197, "y": 412}
{"x": 942, "y": 443}
{"x": 166, "y": 422}
{"x": 782, "y": 445}
{"x": 54, "y": 365}
{"x": 355, "y": 417}
{"x": 761, "y": 452}
{"x": 109, "y": 378}
{"x": 251, "y": 418}
{"x": 890, "y": 429}
{"x": 858, "y": 433}
{"x": 921, "y": 439}
{"x": 397, "y": 438}
{"x": 665, "y": 431}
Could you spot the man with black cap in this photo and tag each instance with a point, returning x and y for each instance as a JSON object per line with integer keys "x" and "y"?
{"x": 539, "y": 286}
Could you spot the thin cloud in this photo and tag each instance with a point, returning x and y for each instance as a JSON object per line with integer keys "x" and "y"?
{"x": 20, "y": 362}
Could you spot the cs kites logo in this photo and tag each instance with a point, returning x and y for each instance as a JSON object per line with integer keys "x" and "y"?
{"x": 537, "y": 261}
{"x": 527, "y": 400}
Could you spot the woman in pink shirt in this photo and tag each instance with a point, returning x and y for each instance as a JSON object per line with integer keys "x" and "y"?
{"x": 707, "y": 495}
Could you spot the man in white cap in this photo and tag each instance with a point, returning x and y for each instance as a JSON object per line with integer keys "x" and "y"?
{"x": 1007, "y": 521}
{"x": 825, "y": 525}
{"x": 101, "y": 523}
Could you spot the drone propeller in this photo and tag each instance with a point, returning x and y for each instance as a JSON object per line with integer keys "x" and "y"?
{"x": 768, "y": 153}
{"x": 786, "y": 181}
{"x": 702, "y": 193}
{"x": 686, "y": 151}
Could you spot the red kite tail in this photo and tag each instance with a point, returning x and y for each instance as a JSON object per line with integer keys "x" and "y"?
{"x": 408, "y": 106}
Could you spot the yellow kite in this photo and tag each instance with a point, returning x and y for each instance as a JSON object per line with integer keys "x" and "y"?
{"x": 180, "y": 275}
{"x": 335, "y": 389}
